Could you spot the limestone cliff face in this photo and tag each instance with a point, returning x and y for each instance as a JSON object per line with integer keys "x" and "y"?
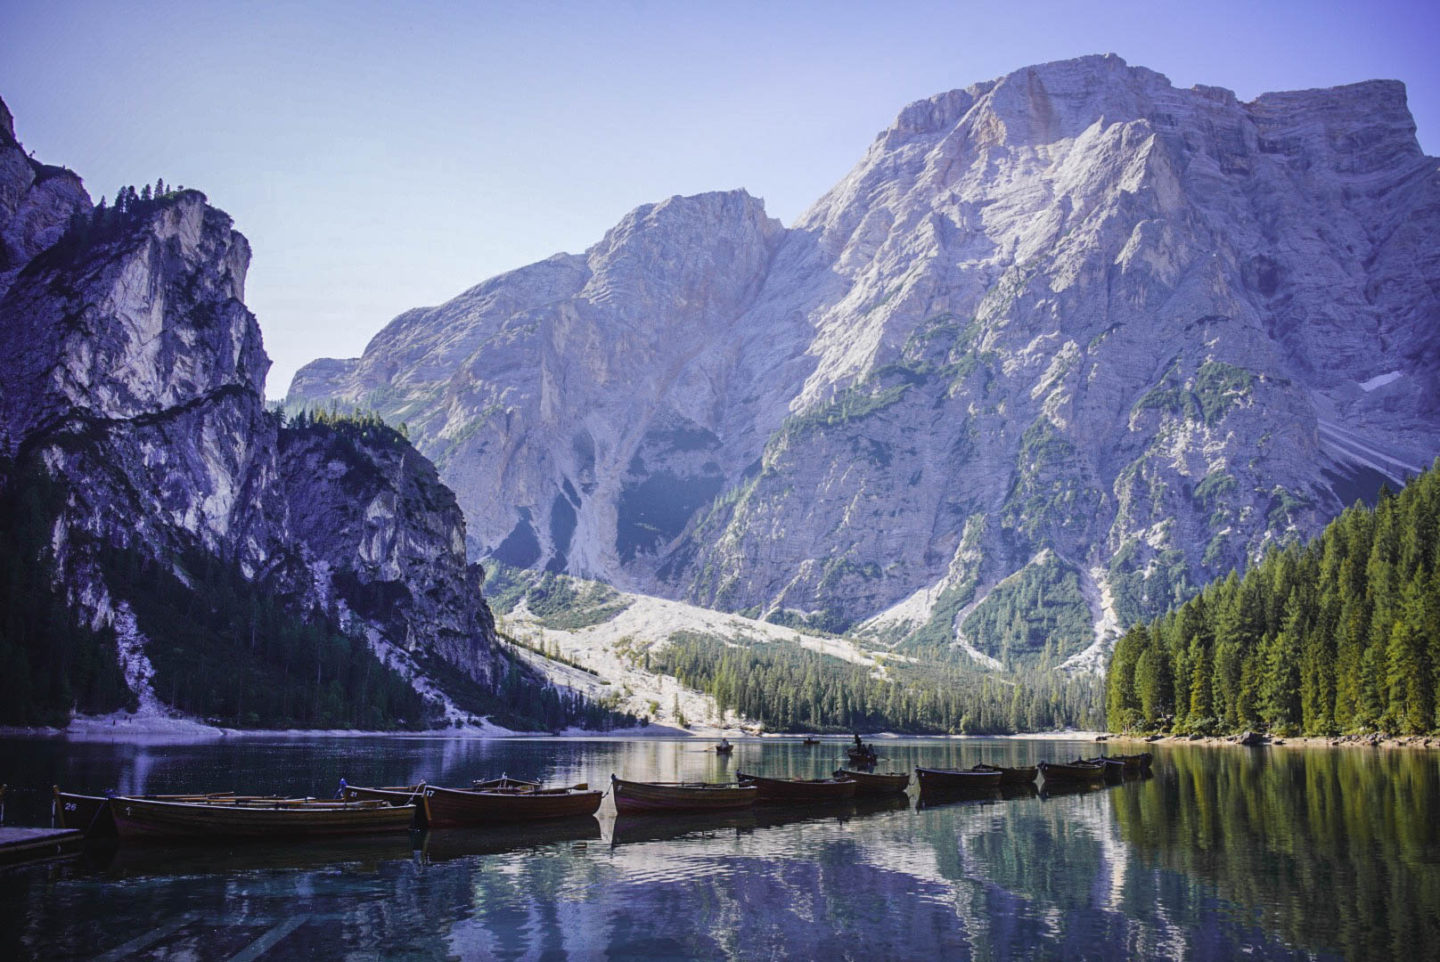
{"x": 1067, "y": 343}
{"x": 376, "y": 521}
{"x": 132, "y": 374}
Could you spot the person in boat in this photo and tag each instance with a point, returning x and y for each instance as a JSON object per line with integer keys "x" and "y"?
{"x": 858, "y": 742}
{"x": 340, "y": 792}
{"x": 724, "y": 745}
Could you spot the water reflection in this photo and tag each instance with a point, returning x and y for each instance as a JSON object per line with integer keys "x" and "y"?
{"x": 1337, "y": 849}
{"x": 445, "y": 844}
{"x": 1221, "y": 854}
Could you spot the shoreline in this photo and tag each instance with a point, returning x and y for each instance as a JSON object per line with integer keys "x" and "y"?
{"x": 156, "y": 729}
{"x": 1375, "y": 740}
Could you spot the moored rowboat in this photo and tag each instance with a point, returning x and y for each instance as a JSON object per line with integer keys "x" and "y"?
{"x": 504, "y": 783}
{"x": 955, "y": 780}
{"x": 1113, "y": 768}
{"x": 254, "y": 818}
{"x": 1134, "y": 763}
{"x": 91, "y": 813}
{"x": 1021, "y": 775}
{"x": 649, "y": 797}
{"x": 1072, "y": 772}
{"x": 460, "y": 806}
{"x": 876, "y": 783}
{"x": 390, "y": 794}
{"x": 799, "y": 790}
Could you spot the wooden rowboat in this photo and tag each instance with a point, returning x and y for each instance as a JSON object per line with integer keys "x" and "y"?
{"x": 91, "y": 813}
{"x": 1022, "y": 775}
{"x": 1134, "y": 763}
{"x": 875, "y": 783}
{"x": 638, "y": 798}
{"x": 798, "y": 791}
{"x": 445, "y": 807}
{"x": 862, "y": 755}
{"x": 1113, "y": 768}
{"x": 954, "y": 780}
{"x": 504, "y": 783}
{"x": 254, "y": 818}
{"x": 810, "y": 740}
{"x": 390, "y": 794}
{"x": 1079, "y": 771}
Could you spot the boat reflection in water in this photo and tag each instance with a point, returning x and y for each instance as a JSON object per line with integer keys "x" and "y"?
{"x": 629, "y": 829}
{"x": 445, "y": 844}
{"x": 178, "y": 859}
{"x": 773, "y": 817}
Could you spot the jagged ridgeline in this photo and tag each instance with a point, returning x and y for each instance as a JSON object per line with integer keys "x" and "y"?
{"x": 1341, "y": 635}
{"x": 1061, "y": 348}
{"x": 169, "y": 545}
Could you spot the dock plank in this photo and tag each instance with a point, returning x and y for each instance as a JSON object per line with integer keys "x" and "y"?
{"x": 19, "y": 844}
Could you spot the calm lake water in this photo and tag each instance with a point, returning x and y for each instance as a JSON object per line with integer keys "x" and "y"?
{"x": 1267, "y": 853}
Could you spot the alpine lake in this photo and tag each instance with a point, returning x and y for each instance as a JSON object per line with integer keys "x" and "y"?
{"x": 1223, "y": 852}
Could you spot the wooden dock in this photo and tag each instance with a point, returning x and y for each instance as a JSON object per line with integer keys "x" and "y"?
{"x": 26, "y": 844}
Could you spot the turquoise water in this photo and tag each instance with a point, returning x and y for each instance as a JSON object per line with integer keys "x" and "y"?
{"x": 1223, "y": 853}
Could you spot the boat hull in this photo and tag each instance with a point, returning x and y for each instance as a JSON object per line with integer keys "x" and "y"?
{"x": 450, "y": 807}
{"x": 1021, "y": 775}
{"x": 876, "y": 783}
{"x": 89, "y": 814}
{"x": 951, "y": 780}
{"x": 145, "y": 818}
{"x": 402, "y": 795}
{"x": 797, "y": 791}
{"x": 638, "y": 798}
{"x": 1083, "y": 772}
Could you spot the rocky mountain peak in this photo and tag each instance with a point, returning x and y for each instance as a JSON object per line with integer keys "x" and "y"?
{"x": 7, "y": 126}
{"x": 1072, "y": 341}
{"x": 159, "y": 323}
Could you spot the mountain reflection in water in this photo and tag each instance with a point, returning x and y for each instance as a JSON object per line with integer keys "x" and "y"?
{"x": 1270, "y": 854}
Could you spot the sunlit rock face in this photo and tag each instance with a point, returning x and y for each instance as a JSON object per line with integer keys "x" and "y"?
{"x": 132, "y": 376}
{"x": 1067, "y": 343}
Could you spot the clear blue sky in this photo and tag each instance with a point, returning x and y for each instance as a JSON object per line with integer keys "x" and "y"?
{"x": 381, "y": 157}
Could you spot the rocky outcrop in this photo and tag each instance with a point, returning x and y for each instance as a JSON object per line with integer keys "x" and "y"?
{"x": 1062, "y": 347}
{"x": 132, "y": 376}
{"x": 386, "y": 540}
{"x": 36, "y": 203}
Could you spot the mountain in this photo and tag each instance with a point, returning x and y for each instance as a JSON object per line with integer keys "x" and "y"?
{"x": 169, "y": 544}
{"x": 1061, "y": 348}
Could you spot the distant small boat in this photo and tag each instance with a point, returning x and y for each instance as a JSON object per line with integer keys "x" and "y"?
{"x": 810, "y": 740}
{"x": 1078, "y": 771}
{"x": 799, "y": 790}
{"x": 1021, "y": 775}
{"x": 862, "y": 755}
{"x": 254, "y": 818}
{"x": 941, "y": 780}
{"x": 724, "y": 748}
{"x": 876, "y": 783}
{"x": 637, "y": 798}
